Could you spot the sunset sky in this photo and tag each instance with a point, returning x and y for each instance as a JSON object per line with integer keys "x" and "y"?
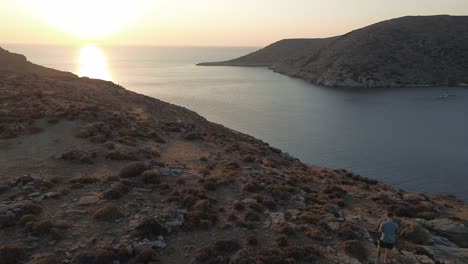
{"x": 199, "y": 22}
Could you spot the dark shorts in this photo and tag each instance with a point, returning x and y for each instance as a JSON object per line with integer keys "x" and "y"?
{"x": 386, "y": 245}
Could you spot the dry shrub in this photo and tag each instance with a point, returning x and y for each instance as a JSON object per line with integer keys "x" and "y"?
{"x": 251, "y": 240}
{"x": 284, "y": 228}
{"x": 150, "y": 228}
{"x": 219, "y": 252}
{"x": 256, "y": 206}
{"x": 46, "y": 228}
{"x": 313, "y": 233}
{"x": 180, "y": 181}
{"x": 250, "y": 216}
{"x": 238, "y": 206}
{"x": 348, "y": 231}
{"x": 102, "y": 254}
{"x": 201, "y": 215}
{"x": 133, "y": 170}
{"x": 335, "y": 191}
{"x": 425, "y": 215}
{"x": 84, "y": 180}
{"x": 266, "y": 201}
{"x": 250, "y": 187}
{"x": 248, "y": 159}
{"x": 355, "y": 249}
{"x": 108, "y": 212}
{"x": 45, "y": 258}
{"x": 147, "y": 255}
{"x": 7, "y": 220}
{"x": 32, "y": 208}
{"x": 281, "y": 241}
{"x": 12, "y": 253}
{"x": 27, "y": 218}
{"x": 286, "y": 255}
{"x": 116, "y": 191}
{"x": 151, "y": 176}
{"x": 308, "y": 218}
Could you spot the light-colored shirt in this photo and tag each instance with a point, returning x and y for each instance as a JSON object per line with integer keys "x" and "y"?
{"x": 389, "y": 231}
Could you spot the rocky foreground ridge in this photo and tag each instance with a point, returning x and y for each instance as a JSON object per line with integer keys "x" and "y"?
{"x": 408, "y": 51}
{"x": 93, "y": 173}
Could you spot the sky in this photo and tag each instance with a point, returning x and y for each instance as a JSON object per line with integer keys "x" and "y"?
{"x": 199, "y": 22}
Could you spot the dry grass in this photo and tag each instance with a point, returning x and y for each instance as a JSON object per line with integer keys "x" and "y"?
{"x": 355, "y": 249}
{"x": 108, "y": 212}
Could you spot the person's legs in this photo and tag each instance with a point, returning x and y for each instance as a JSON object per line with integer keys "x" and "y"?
{"x": 378, "y": 251}
{"x": 386, "y": 255}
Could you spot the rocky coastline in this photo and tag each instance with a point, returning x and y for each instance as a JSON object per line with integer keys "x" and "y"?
{"x": 413, "y": 51}
{"x": 94, "y": 173}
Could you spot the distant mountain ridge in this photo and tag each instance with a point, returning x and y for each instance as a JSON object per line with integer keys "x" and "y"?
{"x": 17, "y": 63}
{"x": 401, "y": 52}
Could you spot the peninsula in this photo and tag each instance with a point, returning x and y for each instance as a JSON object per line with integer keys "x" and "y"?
{"x": 404, "y": 52}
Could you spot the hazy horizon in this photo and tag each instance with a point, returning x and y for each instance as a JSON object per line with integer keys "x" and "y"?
{"x": 204, "y": 23}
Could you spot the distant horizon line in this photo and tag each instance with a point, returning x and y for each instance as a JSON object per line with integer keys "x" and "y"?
{"x": 126, "y": 45}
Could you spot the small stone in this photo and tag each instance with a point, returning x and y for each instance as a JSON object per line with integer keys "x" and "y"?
{"x": 34, "y": 194}
{"x": 249, "y": 200}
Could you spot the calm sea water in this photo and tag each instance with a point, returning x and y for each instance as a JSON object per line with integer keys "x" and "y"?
{"x": 404, "y": 137}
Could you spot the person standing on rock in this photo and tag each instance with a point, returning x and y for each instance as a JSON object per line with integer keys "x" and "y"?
{"x": 389, "y": 231}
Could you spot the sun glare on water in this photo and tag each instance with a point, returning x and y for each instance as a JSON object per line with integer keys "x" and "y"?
{"x": 93, "y": 63}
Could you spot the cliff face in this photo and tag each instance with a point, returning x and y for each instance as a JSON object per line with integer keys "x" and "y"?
{"x": 17, "y": 63}
{"x": 407, "y": 51}
{"x": 93, "y": 173}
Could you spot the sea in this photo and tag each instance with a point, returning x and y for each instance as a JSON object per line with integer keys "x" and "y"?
{"x": 410, "y": 138}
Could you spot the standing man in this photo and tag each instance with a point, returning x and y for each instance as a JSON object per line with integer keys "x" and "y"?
{"x": 389, "y": 231}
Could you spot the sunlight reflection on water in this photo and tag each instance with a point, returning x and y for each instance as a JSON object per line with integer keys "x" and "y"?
{"x": 93, "y": 63}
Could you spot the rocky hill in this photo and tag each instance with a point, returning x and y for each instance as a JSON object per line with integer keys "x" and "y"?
{"x": 93, "y": 173}
{"x": 402, "y": 52}
{"x": 12, "y": 62}
{"x": 275, "y": 53}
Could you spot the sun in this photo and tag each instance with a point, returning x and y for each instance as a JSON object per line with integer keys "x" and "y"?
{"x": 88, "y": 18}
{"x": 93, "y": 63}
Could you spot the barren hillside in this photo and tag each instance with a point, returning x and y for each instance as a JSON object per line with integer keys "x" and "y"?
{"x": 93, "y": 173}
{"x": 402, "y": 52}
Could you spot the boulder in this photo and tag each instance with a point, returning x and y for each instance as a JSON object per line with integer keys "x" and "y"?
{"x": 414, "y": 232}
{"x": 453, "y": 230}
{"x": 134, "y": 169}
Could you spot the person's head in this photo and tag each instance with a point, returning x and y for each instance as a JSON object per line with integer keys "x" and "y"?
{"x": 389, "y": 216}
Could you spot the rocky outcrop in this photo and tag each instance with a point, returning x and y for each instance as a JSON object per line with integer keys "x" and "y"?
{"x": 402, "y": 52}
{"x": 17, "y": 63}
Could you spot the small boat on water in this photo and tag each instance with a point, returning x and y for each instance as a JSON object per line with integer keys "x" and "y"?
{"x": 445, "y": 93}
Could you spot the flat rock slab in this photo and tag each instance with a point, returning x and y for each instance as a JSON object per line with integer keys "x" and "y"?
{"x": 86, "y": 200}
